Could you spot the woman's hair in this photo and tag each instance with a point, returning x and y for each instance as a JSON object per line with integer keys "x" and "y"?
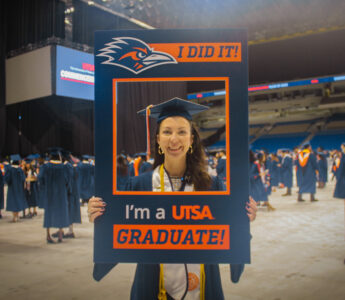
{"x": 252, "y": 156}
{"x": 196, "y": 172}
{"x": 122, "y": 165}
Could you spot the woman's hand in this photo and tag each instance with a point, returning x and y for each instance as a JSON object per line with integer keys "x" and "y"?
{"x": 251, "y": 209}
{"x": 95, "y": 208}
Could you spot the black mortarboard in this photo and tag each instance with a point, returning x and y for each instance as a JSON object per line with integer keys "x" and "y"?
{"x": 33, "y": 156}
{"x": 174, "y": 107}
{"x": 140, "y": 154}
{"x": 15, "y": 157}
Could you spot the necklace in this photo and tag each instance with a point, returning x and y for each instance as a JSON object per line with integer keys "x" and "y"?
{"x": 176, "y": 182}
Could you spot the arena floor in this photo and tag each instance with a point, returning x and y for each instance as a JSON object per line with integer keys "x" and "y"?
{"x": 298, "y": 252}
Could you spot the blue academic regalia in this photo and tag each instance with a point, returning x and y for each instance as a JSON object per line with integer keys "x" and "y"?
{"x": 121, "y": 181}
{"x": 287, "y": 171}
{"x": 42, "y": 190}
{"x": 146, "y": 280}
{"x": 2, "y": 184}
{"x": 73, "y": 195}
{"x": 131, "y": 169}
{"x": 15, "y": 179}
{"x": 221, "y": 168}
{"x": 145, "y": 167}
{"x": 56, "y": 180}
{"x": 256, "y": 186}
{"x": 273, "y": 169}
{"x": 298, "y": 172}
{"x": 32, "y": 194}
{"x": 86, "y": 173}
{"x": 308, "y": 176}
{"x": 280, "y": 169}
{"x": 323, "y": 168}
{"x": 339, "y": 191}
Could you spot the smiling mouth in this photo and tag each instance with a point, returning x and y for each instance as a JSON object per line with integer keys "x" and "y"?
{"x": 173, "y": 150}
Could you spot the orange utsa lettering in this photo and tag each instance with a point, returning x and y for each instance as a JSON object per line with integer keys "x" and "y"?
{"x": 194, "y": 212}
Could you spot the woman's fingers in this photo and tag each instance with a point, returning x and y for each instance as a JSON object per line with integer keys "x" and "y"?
{"x": 251, "y": 209}
{"x": 93, "y": 216}
{"x": 95, "y": 208}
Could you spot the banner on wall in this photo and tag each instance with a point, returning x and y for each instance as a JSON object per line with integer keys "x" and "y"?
{"x": 147, "y": 226}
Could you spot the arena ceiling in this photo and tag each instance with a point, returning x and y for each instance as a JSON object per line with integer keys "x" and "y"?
{"x": 264, "y": 19}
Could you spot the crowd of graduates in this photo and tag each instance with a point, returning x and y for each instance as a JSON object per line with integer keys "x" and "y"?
{"x": 56, "y": 183}
{"x": 269, "y": 171}
{"x": 60, "y": 182}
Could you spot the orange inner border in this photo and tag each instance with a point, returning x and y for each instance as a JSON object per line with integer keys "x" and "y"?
{"x": 115, "y": 81}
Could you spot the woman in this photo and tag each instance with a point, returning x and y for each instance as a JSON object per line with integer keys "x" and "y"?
{"x": 179, "y": 166}
{"x": 258, "y": 180}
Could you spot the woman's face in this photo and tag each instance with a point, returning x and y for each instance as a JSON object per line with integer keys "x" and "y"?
{"x": 175, "y": 137}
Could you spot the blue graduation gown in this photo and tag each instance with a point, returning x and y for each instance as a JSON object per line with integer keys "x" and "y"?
{"x": 339, "y": 191}
{"x": 131, "y": 169}
{"x": 221, "y": 168}
{"x": 287, "y": 171}
{"x": 42, "y": 190}
{"x": 298, "y": 172}
{"x": 2, "y": 184}
{"x": 146, "y": 280}
{"x": 15, "y": 179}
{"x": 32, "y": 194}
{"x": 86, "y": 180}
{"x": 145, "y": 167}
{"x": 273, "y": 169}
{"x": 308, "y": 176}
{"x": 56, "y": 180}
{"x": 121, "y": 181}
{"x": 256, "y": 187}
{"x": 73, "y": 195}
{"x": 323, "y": 168}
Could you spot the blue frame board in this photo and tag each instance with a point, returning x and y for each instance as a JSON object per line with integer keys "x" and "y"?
{"x": 220, "y": 234}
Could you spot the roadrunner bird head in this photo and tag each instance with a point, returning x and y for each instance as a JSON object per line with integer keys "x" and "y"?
{"x": 133, "y": 55}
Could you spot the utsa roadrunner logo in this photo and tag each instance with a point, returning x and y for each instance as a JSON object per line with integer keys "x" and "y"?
{"x": 134, "y": 55}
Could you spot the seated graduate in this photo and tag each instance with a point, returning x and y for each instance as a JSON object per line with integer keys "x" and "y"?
{"x": 179, "y": 165}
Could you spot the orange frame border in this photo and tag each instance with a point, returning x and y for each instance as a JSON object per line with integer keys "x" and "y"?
{"x": 116, "y": 80}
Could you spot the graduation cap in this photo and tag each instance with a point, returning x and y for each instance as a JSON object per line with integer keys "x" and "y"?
{"x": 54, "y": 149}
{"x": 32, "y": 156}
{"x": 15, "y": 157}
{"x": 87, "y": 156}
{"x": 174, "y": 107}
{"x": 141, "y": 154}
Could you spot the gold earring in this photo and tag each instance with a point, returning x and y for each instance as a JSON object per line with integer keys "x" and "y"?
{"x": 160, "y": 151}
{"x": 190, "y": 150}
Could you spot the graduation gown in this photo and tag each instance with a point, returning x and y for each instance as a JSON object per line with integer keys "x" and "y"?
{"x": 73, "y": 195}
{"x": 256, "y": 186}
{"x": 145, "y": 167}
{"x": 56, "y": 180}
{"x": 16, "y": 200}
{"x": 2, "y": 184}
{"x": 287, "y": 171}
{"x": 273, "y": 169}
{"x": 339, "y": 190}
{"x": 298, "y": 172}
{"x": 221, "y": 168}
{"x": 42, "y": 190}
{"x": 86, "y": 173}
{"x": 146, "y": 280}
{"x": 308, "y": 176}
{"x": 323, "y": 168}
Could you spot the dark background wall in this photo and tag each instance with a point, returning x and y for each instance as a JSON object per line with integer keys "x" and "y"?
{"x": 66, "y": 122}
